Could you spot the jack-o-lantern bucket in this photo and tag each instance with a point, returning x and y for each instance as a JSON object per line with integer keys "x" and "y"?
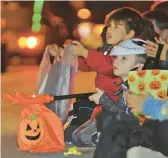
{"x": 31, "y": 130}
{"x": 40, "y": 130}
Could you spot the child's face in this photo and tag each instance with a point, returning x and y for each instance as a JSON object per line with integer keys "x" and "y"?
{"x": 123, "y": 64}
{"x": 116, "y": 33}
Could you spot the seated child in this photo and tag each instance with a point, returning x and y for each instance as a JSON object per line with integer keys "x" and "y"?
{"x": 120, "y": 129}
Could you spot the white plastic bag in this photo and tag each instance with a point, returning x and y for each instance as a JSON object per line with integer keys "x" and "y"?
{"x": 57, "y": 79}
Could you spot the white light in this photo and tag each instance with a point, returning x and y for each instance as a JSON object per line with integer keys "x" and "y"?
{"x": 84, "y": 29}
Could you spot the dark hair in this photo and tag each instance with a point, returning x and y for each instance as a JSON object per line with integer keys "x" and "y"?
{"x": 147, "y": 30}
{"x": 160, "y": 18}
{"x": 132, "y": 20}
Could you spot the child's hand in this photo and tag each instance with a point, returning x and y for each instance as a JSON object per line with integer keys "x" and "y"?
{"x": 152, "y": 48}
{"x": 79, "y": 49}
{"x": 96, "y": 97}
{"x": 164, "y": 35}
{"x": 135, "y": 102}
{"x": 68, "y": 41}
{"x": 56, "y": 51}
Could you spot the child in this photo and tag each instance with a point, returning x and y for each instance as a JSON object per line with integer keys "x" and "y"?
{"x": 160, "y": 22}
{"x": 123, "y": 23}
{"x": 120, "y": 130}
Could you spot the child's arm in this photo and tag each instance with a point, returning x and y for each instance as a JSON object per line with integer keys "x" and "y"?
{"x": 97, "y": 61}
{"x": 157, "y": 109}
{"x": 82, "y": 65}
{"x": 110, "y": 105}
{"x": 107, "y": 102}
{"x": 58, "y": 52}
{"x": 100, "y": 63}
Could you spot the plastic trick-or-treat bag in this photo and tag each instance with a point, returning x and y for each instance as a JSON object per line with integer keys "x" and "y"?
{"x": 57, "y": 79}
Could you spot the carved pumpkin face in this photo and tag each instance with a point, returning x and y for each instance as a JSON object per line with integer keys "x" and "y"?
{"x": 141, "y": 73}
{"x": 155, "y": 85}
{"x": 131, "y": 78}
{"x": 31, "y": 130}
{"x": 162, "y": 94}
{"x": 141, "y": 86}
{"x": 163, "y": 77}
{"x": 155, "y": 72}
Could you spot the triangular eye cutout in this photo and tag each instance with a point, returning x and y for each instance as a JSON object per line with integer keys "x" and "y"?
{"x": 28, "y": 128}
{"x": 38, "y": 126}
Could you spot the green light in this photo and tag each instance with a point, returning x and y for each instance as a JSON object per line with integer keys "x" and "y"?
{"x": 38, "y": 6}
{"x": 36, "y": 17}
{"x": 36, "y": 27}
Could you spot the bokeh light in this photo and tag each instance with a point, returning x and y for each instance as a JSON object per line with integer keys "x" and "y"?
{"x": 13, "y": 6}
{"x": 36, "y": 27}
{"x": 85, "y": 29}
{"x": 36, "y": 17}
{"x": 98, "y": 28}
{"x": 22, "y": 42}
{"x": 84, "y": 13}
{"x": 31, "y": 42}
{"x": 3, "y": 23}
{"x": 38, "y": 6}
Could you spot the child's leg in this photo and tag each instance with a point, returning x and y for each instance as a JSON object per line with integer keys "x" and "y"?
{"x": 82, "y": 136}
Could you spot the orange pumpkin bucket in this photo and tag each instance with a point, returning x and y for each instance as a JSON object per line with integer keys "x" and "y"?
{"x": 40, "y": 130}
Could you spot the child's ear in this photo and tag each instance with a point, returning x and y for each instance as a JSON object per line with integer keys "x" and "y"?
{"x": 130, "y": 34}
{"x": 140, "y": 66}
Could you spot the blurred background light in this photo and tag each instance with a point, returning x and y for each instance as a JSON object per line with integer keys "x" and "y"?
{"x": 36, "y": 17}
{"x": 22, "y": 42}
{"x": 55, "y": 20}
{"x": 77, "y": 4}
{"x": 38, "y": 6}
{"x": 84, "y": 13}
{"x": 85, "y": 29}
{"x": 31, "y": 42}
{"x": 13, "y": 6}
{"x": 3, "y": 23}
{"x": 98, "y": 28}
{"x": 36, "y": 27}
{"x": 37, "y": 9}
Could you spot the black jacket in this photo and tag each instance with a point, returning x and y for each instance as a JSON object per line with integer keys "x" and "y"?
{"x": 119, "y": 133}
